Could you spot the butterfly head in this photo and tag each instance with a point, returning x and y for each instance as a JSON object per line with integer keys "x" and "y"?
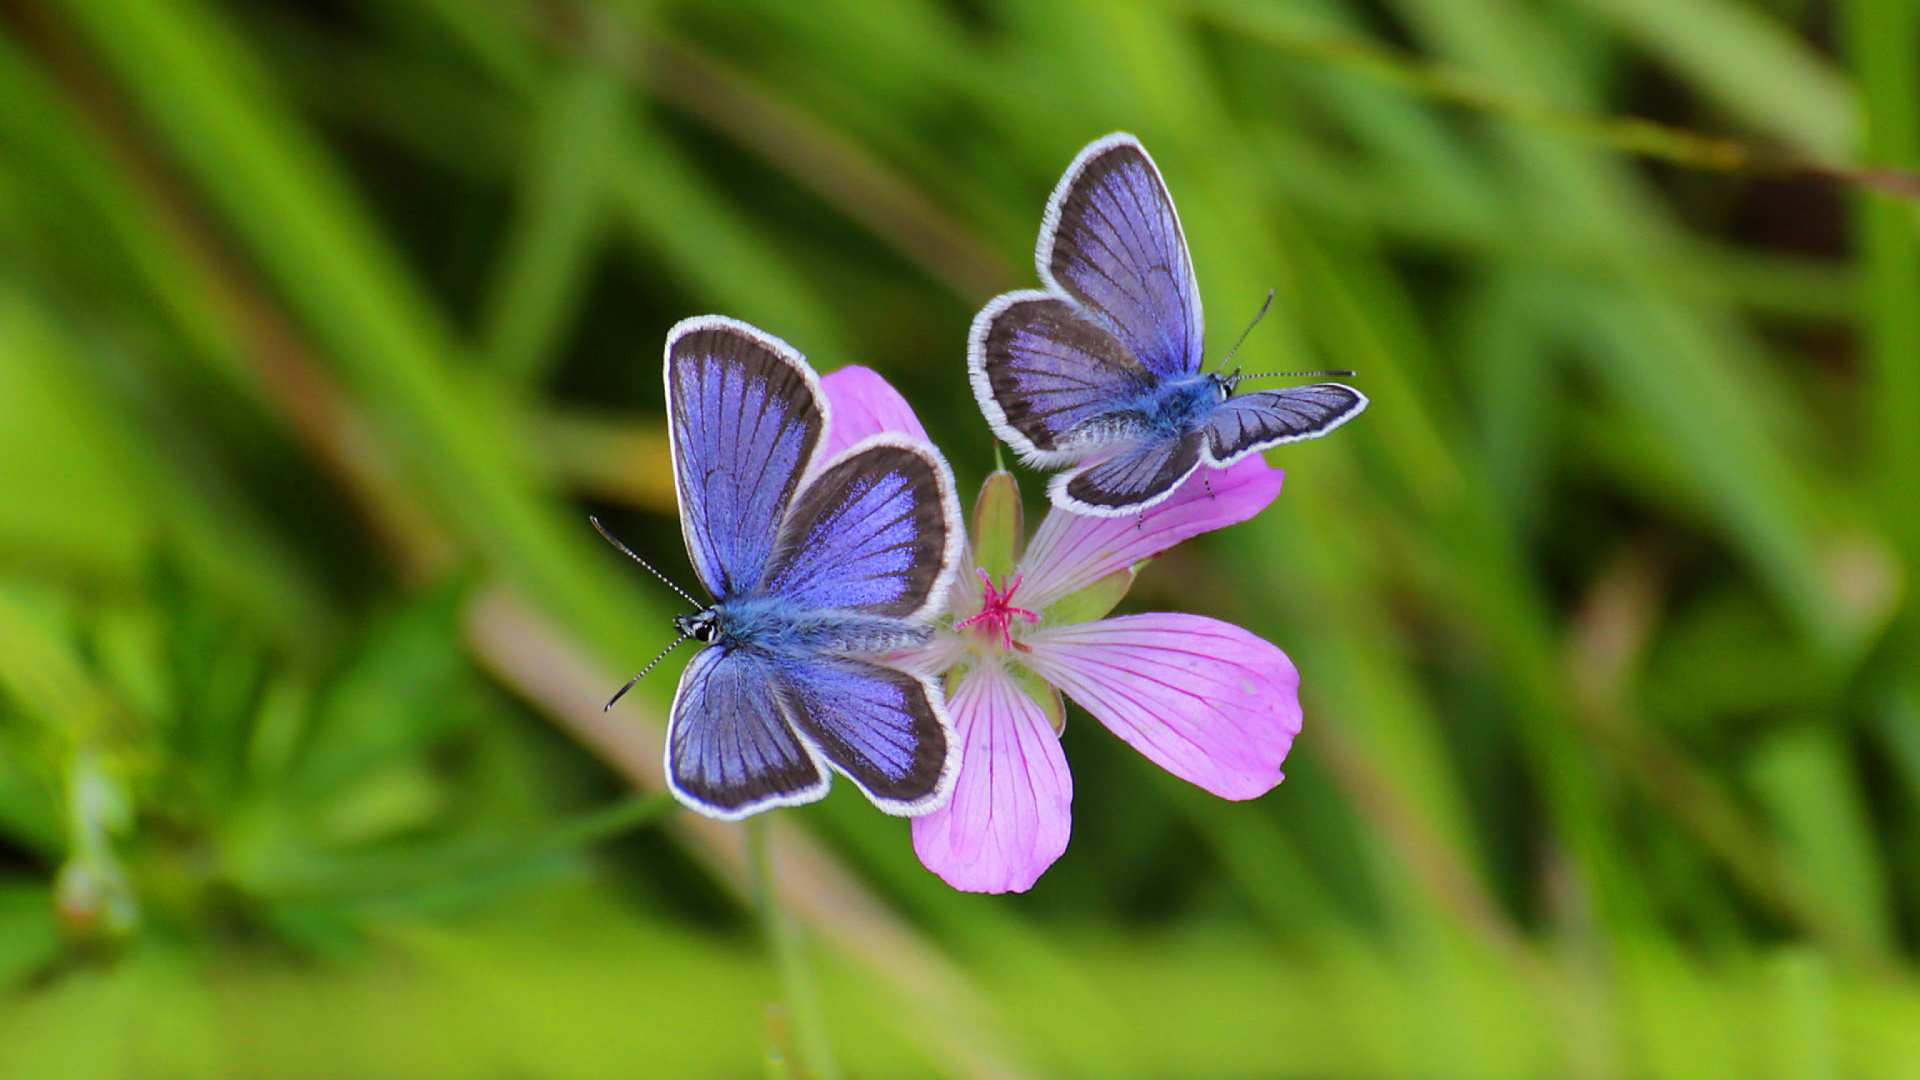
{"x": 702, "y": 626}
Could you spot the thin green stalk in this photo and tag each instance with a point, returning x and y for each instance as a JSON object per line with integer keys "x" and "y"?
{"x": 1881, "y": 36}
{"x": 797, "y": 1043}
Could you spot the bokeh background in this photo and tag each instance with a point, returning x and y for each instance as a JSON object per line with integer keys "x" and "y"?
{"x": 323, "y": 327}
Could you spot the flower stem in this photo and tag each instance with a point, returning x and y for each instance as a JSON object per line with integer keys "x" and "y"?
{"x": 797, "y": 1045}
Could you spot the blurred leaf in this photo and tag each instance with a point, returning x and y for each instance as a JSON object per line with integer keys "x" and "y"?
{"x": 547, "y": 257}
{"x": 1811, "y": 789}
{"x": 1750, "y": 63}
{"x": 404, "y": 689}
{"x": 27, "y": 933}
{"x": 605, "y": 458}
{"x": 71, "y": 502}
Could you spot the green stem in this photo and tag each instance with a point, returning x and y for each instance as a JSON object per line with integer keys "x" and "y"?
{"x": 797, "y": 1043}
{"x": 1881, "y": 38}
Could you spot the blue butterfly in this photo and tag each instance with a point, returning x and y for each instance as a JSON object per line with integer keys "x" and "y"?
{"x": 1101, "y": 369}
{"x": 819, "y": 569}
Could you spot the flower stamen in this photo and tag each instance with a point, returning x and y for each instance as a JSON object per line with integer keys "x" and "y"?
{"x": 997, "y": 611}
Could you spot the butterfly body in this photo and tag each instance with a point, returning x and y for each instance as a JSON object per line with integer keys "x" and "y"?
{"x": 822, "y": 568}
{"x": 1177, "y": 406}
{"x": 774, "y": 625}
{"x": 1101, "y": 370}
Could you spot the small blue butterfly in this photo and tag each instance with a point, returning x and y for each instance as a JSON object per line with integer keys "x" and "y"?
{"x": 818, "y": 570}
{"x": 1101, "y": 369}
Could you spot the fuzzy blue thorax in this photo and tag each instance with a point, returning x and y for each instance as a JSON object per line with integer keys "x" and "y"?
{"x": 1181, "y": 404}
{"x": 776, "y": 624}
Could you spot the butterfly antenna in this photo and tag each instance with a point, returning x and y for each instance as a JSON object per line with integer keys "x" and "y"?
{"x": 620, "y": 693}
{"x": 1243, "y": 334}
{"x": 615, "y": 541}
{"x": 1341, "y": 373}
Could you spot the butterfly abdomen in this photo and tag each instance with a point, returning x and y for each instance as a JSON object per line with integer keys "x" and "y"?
{"x": 774, "y": 624}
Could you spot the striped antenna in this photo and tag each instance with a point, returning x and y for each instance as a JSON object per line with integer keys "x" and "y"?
{"x": 1243, "y": 334}
{"x": 1341, "y": 373}
{"x": 620, "y": 693}
{"x": 615, "y": 541}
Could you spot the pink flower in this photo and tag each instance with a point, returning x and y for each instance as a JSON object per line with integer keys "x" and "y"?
{"x": 1205, "y": 700}
{"x": 861, "y": 403}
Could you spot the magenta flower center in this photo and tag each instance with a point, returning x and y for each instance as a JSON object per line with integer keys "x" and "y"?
{"x": 997, "y": 611}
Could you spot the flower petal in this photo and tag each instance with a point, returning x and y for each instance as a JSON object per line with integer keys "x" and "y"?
{"x": 1010, "y": 813}
{"x": 862, "y": 404}
{"x": 1072, "y": 551}
{"x": 1203, "y": 699}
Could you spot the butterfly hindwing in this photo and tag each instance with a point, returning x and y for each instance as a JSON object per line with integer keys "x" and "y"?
{"x": 1130, "y": 480}
{"x": 1112, "y": 241}
{"x": 1050, "y": 380}
{"x": 746, "y": 415}
{"x": 885, "y": 729}
{"x": 874, "y": 532}
{"x": 731, "y": 748}
{"x": 1249, "y": 422}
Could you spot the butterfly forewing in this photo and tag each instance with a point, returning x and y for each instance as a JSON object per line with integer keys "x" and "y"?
{"x": 731, "y": 747}
{"x": 885, "y": 729}
{"x": 874, "y": 532}
{"x": 746, "y": 417}
{"x": 1248, "y": 422}
{"x": 1112, "y": 241}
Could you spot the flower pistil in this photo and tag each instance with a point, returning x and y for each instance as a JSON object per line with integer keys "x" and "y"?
{"x": 997, "y": 611}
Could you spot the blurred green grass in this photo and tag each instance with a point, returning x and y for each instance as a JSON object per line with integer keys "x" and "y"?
{"x": 323, "y": 326}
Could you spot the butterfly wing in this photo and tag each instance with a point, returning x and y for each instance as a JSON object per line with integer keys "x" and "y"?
{"x": 869, "y": 549}
{"x": 1062, "y": 374}
{"x": 731, "y": 748}
{"x": 852, "y": 558}
{"x": 875, "y": 532}
{"x": 887, "y": 730}
{"x": 1111, "y": 240}
{"x": 1053, "y": 384}
{"x": 1245, "y": 423}
{"x": 746, "y": 415}
{"x": 1131, "y": 480}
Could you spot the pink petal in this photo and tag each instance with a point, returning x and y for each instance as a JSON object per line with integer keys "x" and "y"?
{"x": 1071, "y": 551}
{"x": 1205, "y": 700}
{"x": 862, "y": 404}
{"x": 1011, "y": 808}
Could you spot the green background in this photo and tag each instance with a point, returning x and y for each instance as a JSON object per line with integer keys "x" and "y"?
{"x": 323, "y": 327}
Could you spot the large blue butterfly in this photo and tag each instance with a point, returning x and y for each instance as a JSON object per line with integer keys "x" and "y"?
{"x": 819, "y": 569}
{"x": 1101, "y": 369}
